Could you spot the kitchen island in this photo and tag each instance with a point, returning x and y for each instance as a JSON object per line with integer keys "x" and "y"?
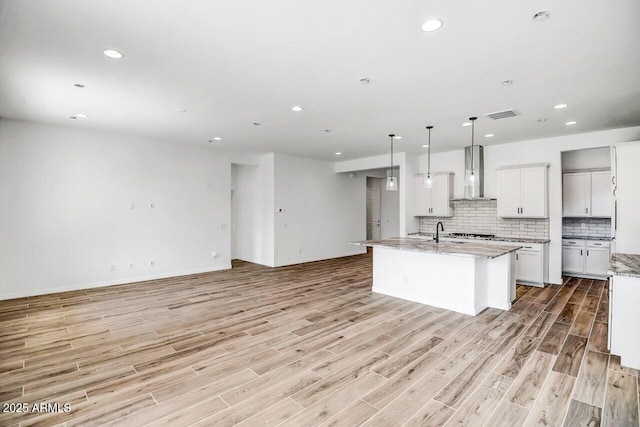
{"x": 459, "y": 276}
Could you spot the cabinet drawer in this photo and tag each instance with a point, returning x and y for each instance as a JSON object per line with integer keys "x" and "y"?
{"x": 598, "y": 243}
{"x": 531, "y": 247}
{"x": 573, "y": 242}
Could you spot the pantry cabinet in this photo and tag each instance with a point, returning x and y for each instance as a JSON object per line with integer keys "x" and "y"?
{"x": 523, "y": 192}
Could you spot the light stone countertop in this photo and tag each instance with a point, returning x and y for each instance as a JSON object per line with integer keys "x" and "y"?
{"x": 587, "y": 238}
{"x": 624, "y": 265}
{"x": 468, "y": 249}
{"x": 495, "y": 238}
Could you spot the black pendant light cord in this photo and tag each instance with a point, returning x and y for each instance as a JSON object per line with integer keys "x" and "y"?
{"x": 429, "y": 153}
{"x": 391, "y": 136}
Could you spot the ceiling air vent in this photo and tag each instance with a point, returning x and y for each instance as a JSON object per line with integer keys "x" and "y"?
{"x": 504, "y": 114}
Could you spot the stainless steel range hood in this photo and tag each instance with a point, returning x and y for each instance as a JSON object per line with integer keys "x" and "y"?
{"x": 474, "y": 191}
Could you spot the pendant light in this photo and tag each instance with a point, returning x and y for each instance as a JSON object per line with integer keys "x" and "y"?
{"x": 472, "y": 172}
{"x": 392, "y": 181}
{"x": 428, "y": 179}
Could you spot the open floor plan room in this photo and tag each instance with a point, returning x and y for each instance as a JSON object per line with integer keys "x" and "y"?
{"x": 310, "y": 344}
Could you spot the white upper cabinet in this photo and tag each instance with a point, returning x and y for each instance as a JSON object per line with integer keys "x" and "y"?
{"x": 522, "y": 192}
{"x": 576, "y": 189}
{"x": 586, "y": 194}
{"x": 601, "y": 200}
{"x": 434, "y": 201}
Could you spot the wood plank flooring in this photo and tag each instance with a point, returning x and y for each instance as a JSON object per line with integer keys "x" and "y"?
{"x": 309, "y": 345}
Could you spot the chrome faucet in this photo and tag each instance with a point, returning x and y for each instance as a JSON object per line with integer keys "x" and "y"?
{"x": 439, "y": 226}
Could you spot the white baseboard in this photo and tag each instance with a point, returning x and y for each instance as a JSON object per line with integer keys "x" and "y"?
{"x": 101, "y": 284}
{"x": 321, "y": 258}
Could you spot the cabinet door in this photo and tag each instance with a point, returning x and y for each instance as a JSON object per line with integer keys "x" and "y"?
{"x": 421, "y": 197}
{"x": 509, "y": 193}
{"x": 601, "y": 200}
{"x": 572, "y": 259}
{"x": 533, "y": 190}
{"x": 529, "y": 266}
{"x": 576, "y": 194}
{"x": 440, "y": 195}
{"x": 596, "y": 261}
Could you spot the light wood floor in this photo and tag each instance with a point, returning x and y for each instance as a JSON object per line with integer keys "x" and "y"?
{"x": 310, "y": 345}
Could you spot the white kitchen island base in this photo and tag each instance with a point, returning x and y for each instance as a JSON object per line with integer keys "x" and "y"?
{"x": 465, "y": 284}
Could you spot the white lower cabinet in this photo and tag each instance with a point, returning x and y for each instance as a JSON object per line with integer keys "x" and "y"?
{"x": 585, "y": 257}
{"x": 532, "y": 263}
{"x": 572, "y": 259}
{"x": 528, "y": 265}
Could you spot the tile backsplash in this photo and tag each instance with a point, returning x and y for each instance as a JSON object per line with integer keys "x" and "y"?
{"x": 593, "y": 227}
{"x": 481, "y": 216}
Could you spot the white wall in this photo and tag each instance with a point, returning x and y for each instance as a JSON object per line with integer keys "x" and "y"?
{"x": 407, "y": 167}
{"x": 255, "y": 212}
{"x": 590, "y": 158}
{"x": 547, "y": 150}
{"x": 66, "y": 217}
{"x": 317, "y": 211}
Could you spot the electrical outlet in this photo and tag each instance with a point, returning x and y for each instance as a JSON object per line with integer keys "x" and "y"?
{"x": 113, "y": 267}
{"x": 583, "y": 225}
{"x": 130, "y": 266}
{"x": 300, "y": 250}
{"x": 522, "y": 227}
{"x": 152, "y": 263}
{"x": 132, "y": 205}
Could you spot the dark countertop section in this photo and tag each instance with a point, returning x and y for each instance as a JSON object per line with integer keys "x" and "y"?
{"x": 624, "y": 265}
{"x": 588, "y": 238}
{"x": 495, "y": 238}
{"x": 476, "y": 250}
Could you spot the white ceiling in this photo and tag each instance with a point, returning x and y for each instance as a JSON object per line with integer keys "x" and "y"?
{"x": 232, "y": 63}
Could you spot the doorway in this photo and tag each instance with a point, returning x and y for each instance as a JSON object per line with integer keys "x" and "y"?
{"x": 383, "y": 207}
{"x": 373, "y": 213}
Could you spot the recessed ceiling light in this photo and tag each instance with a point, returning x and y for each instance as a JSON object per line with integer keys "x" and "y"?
{"x": 180, "y": 110}
{"x": 256, "y": 124}
{"x": 466, "y": 124}
{"x": 571, "y": 123}
{"x": 297, "y": 108}
{"x": 542, "y": 120}
{"x": 217, "y": 138}
{"x": 431, "y": 25}
{"x": 489, "y": 135}
{"x": 327, "y": 131}
{"x": 365, "y": 80}
{"x": 113, "y": 54}
{"x": 397, "y": 137}
{"x": 560, "y": 106}
{"x": 80, "y": 85}
{"x": 541, "y": 16}
{"x": 338, "y": 153}
{"x": 425, "y": 146}
{"x": 507, "y": 82}
{"x": 79, "y": 116}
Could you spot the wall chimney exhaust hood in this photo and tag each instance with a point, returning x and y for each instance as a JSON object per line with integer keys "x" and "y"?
{"x": 474, "y": 189}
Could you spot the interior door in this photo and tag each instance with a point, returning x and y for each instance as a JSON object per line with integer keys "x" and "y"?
{"x": 373, "y": 213}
